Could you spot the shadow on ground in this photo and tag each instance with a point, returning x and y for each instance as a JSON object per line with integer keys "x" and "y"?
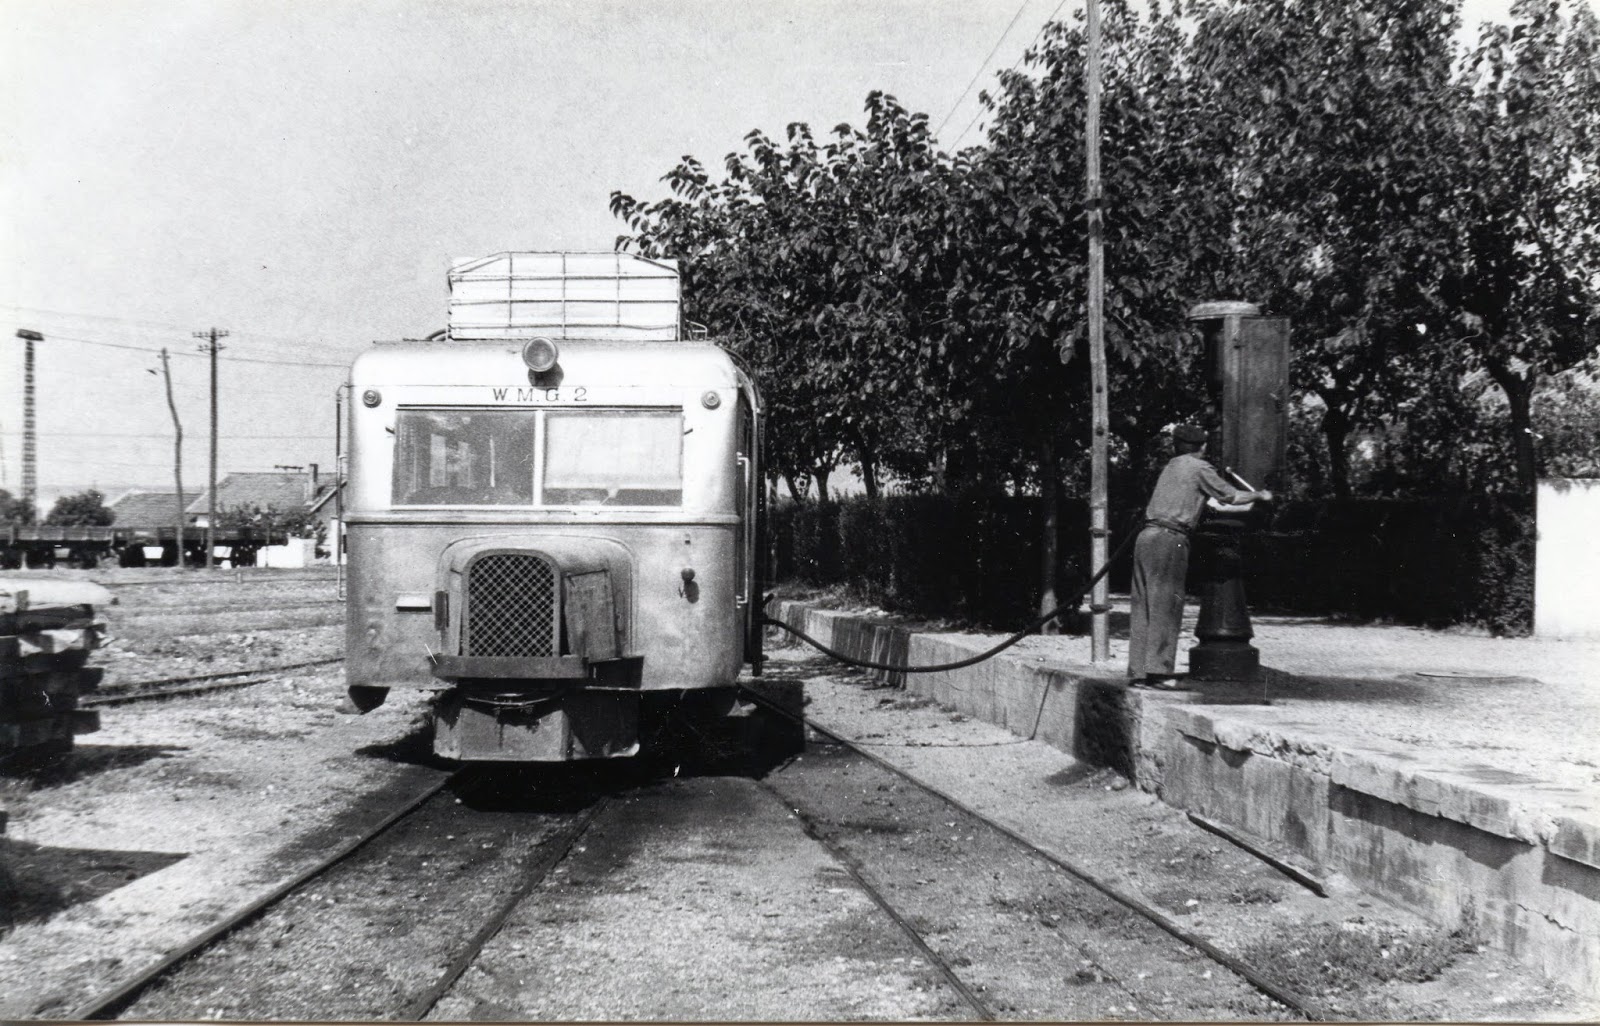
{"x": 53, "y": 769}
{"x": 414, "y": 748}
{"x": 37, "y": 882}
{"x": 1406, "y": 690}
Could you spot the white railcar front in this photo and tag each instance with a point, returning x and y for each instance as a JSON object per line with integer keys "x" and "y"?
{"x": 544, "y": 548}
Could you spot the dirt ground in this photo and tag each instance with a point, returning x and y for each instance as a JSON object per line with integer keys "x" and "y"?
{"x": 1358, "y": 956}
{"x": 177, "y": 813}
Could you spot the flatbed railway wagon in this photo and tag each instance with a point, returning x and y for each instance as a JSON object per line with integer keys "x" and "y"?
{"x": 554, "y": 513}
{"x": 43, "y": 546}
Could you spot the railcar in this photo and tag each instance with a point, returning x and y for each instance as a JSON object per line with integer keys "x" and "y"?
{"x": 553, "y": 513}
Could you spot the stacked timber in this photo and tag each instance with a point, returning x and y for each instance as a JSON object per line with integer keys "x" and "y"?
{"x": 47, "y": 631}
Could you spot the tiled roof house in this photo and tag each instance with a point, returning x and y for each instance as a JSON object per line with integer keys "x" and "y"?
{"x": 262, "y": 490}
{"x": 326, "y": 506}
{"x": 141, "y": 508}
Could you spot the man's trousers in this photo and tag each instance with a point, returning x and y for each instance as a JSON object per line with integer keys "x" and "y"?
{"x": 1160, "y": 564}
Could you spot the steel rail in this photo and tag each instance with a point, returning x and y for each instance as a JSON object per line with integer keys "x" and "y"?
{"x": 216, "y": 578}
{"x": 194, "y": 609}
{"x": 1280, "y": 993}
{"x": 977, "y": 1004}
{"x": 125, "y": 694}
{"x": 552, "y": 851}
{"x": 108, "y": 1005}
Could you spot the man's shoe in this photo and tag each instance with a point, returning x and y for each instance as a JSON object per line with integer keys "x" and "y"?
{"x": 1159, "y": 684}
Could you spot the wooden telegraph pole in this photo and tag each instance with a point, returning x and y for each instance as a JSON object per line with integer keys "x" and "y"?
{"x": 212, "y": 347}
{"x": 177, "y": 453}
{"x": 1099, "y": 548}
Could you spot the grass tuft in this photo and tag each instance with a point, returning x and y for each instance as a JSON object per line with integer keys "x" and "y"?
{"x": 1343, "y": 958}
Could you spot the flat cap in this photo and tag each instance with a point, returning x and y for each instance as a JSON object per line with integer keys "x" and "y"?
{"x": 1189, "y": 433}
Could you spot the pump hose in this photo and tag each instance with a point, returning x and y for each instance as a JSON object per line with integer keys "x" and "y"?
{"x": 868, "y": 664}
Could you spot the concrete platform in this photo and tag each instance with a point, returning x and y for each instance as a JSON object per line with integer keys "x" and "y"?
{"x": 1455, "y": 774}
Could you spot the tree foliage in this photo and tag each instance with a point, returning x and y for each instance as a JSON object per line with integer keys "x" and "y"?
{"x": 1427, "y": 215}
{"x": 1333, "y": 121}
{"x": 822, "y": 265}
{"x": 13, "y": 510}
{"x": 85, "y": 509}
{"x": 1518, "y": 274}
{"x": 296, "y": 523}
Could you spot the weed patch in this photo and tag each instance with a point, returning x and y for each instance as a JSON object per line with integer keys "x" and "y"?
{"x": 1353, "y": 956}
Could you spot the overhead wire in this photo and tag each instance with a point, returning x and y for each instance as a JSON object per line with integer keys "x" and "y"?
{"x": 158, "y": 334}
{"x": 975, "y": 75}
{"x": 98, "y": 461}
{"x": 196, "y": 354}
{"x": 1014, "y": 64}
{"x": 152, "y": 326}
{"x": 129, "y": 434}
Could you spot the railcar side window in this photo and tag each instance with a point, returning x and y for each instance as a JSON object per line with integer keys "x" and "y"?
{"x": 613, "y": 457}
{"x": 464, "y": 458}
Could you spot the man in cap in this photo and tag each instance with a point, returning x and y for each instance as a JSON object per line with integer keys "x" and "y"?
{"x": 1161, "y": 555}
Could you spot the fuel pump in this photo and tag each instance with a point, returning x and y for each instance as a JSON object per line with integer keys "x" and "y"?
{"x": 1247, "y": 392}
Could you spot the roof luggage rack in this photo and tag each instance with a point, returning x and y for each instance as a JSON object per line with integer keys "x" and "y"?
{"x": 564, "y": 296}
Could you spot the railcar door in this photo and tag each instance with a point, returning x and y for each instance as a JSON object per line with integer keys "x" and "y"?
{"x": 748, "y": 540}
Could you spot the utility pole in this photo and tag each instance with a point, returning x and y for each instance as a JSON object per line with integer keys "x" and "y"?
{"x": 177, "y": 451}
{"x": 1099, "y": 529}
{"x": 212, "y": 347}
{"x": 338, "y": 484}
{"x": 30, "y": 454}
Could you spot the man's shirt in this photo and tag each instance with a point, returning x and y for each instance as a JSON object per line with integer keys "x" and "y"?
{"x": 1181, "y": 491}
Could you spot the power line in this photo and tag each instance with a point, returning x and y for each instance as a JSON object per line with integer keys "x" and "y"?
{"x": 992, "y": 51}
{"x": 153, "y": 326}
{"x": 126, "y": 434}
{"x": 109, "y": 345}
{"x": 95, "y": 462}
{"x": 1014, "y": 64}
{"x": 156, "y": 350}
{"x": 156, "y": 332}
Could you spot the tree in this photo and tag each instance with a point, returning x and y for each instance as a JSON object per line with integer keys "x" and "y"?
{"x": 1168, "y": 219}
{"x": 1429, "y": 221}
{"x": 819, "y": 265}
{"x": 1566, "y": 420}
{"x": 296, "y": 523}
{"x": 14, "y": 511}
{"x": 748, "y": 287}
{"x": 85, "y": 509}
{"x": 1332, "y": 117}
{"x": 889, "y": 194}
{"x": 1517, "y": 279}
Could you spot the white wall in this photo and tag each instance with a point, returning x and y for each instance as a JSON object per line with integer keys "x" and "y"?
{"x": 1566, "y": 581}
{"x": 299, "y": 552}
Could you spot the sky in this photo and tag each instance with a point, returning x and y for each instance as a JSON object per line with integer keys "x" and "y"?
{"x": 300, "y": 173}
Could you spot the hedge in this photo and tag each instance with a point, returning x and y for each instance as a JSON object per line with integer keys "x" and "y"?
{"x": 1433, "y": 562}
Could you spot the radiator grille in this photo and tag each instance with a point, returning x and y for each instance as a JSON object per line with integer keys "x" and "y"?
{"x": 511, "y": 607}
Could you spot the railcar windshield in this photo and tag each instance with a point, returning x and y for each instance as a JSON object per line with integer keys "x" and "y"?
{"x": 493, "y": 458}
{"x": 620, "y": 457}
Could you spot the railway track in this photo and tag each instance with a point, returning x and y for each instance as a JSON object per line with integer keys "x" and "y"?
{"x": 946, "y": 969}
{"x": 130, "y": 616}
{"x": 171, "y": 576}
{"x": 184, "y": 983}
{"x": 200, "y": 684}
{"x": 947, "y": 925}
{"x": 181, "y": 985}
{"x": 1257, "y": 977}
